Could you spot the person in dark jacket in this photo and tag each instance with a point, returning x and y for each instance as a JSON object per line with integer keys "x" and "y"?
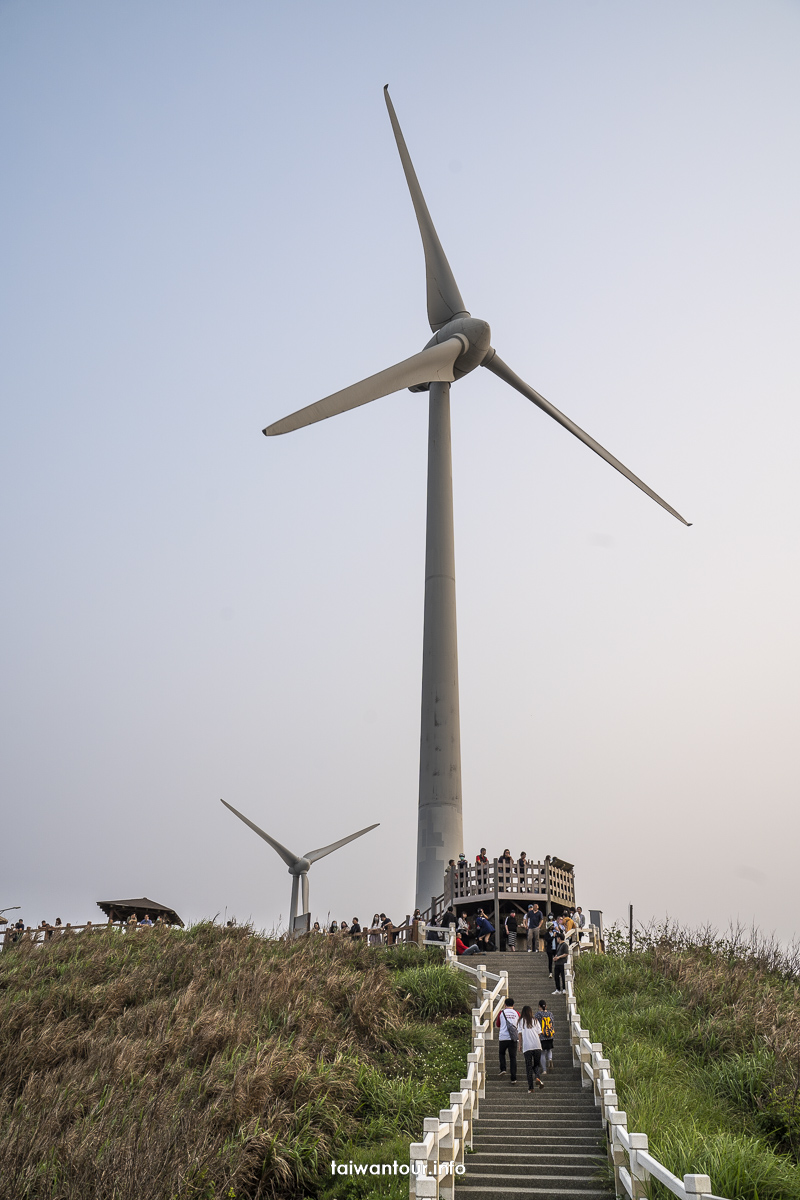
{"x": 484, "y": 929}
{"x": 559, "y": 965}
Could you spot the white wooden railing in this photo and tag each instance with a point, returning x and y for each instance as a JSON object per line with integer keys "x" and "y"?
{"x": 439, "y": 1157}
{"x": 628, "y": 1152}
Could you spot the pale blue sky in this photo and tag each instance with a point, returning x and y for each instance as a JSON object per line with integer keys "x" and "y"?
{"x": 205, "y": 226}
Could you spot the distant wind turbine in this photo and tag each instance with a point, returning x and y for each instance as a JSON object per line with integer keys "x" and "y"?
{"x": 460, "y": 343}
{"x": 298, "y": 864}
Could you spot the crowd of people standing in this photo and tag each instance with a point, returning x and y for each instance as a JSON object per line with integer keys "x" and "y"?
{"x": 380, "y": 932}
{"x": 543, "y": 933}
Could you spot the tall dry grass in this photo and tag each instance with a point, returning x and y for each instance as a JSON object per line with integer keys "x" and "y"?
{"x": 703, "y": 1034}
{"x": 747, "y": 986}
{"x": 195, "y": 1064}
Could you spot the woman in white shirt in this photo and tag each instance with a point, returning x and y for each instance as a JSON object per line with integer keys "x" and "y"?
{"x": 375, "y": 931}
{"x": 530, "y": 1045}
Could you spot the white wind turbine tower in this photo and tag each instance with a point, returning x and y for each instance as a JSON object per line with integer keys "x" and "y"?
{"x": 299, "y": 864}
{"x": 460, "y": 343}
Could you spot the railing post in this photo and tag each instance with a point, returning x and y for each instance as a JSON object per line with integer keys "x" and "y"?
{"x": 447, "y": 1152}
{"x": 504, "y": 988}
{"x": 418, "y": 1175}
{"x": 616, "y": 1154}
{"x": 463, "y": 1122}
{"x": 639, "y": 1174}
{"x": 586, "y": 1060}
{"x": 578, "y": 1035}
{"x": 696, "y": 1185}
{"x": 484, "y": 996}
{"x": 479, "y": 1046}
{"x": 608, "y": 1098}
{"x": 431, "y": 1189}
{"x": 600, "y": 1065}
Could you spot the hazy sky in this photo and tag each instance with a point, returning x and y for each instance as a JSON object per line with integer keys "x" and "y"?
{"x": 205, "y": 226}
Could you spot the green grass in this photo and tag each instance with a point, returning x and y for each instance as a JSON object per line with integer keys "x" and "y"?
{"x": 693, "y": 1071}
{"x": 213, "y": 1063}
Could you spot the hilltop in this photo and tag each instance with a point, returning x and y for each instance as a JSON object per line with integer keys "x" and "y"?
{"x": 190, "y": 1065}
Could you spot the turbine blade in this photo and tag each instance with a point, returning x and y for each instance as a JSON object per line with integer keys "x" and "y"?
{"x": 496, "y": 365}
{"x": 287, "y": 856}
{"x": 444, "y": 298}
{"x": 314, "y": 855}
{"x": 430, "y": 365}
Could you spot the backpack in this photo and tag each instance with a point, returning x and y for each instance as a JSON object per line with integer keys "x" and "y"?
{"x": 546, "y": 1023}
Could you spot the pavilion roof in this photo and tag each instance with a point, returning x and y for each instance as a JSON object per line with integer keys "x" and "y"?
{"x": 122, "y": 909}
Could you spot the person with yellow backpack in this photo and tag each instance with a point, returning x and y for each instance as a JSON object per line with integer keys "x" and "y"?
{"x": 544, "y": 1020}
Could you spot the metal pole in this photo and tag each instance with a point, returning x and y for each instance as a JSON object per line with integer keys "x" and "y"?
{"x": 304, "y": 891}
{"x": 439, "y": 836}
{"x": 293, "y": 905}
{"x": 630, "y": 928}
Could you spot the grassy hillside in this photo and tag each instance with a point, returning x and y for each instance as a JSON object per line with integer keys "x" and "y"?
{"x": 703, "y": 1035}
{"x": 191, "y": 1065}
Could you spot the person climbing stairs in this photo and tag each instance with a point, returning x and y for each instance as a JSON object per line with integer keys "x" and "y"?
{"x": 550, "y": 1143}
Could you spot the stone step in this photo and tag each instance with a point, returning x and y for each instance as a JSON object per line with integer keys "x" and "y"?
{"x": 538, "y": 1102}
{"x": 533, "y": 1160}
{"x": 521, "y": 1162}
{"x": 549, "y": 1143}
{"x": 547, "y": 1116}
{"x": 496, "y": 1166}
{"x": 530, "y": 1140}
{"x": 580, "y": 1147}
{"x": 552, "y": 1080}
{"x": 477, "y": 1189}
{"x": 548, "y": 1184}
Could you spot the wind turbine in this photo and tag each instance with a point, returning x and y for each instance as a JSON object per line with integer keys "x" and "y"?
{"x": 460, "y": 343}
{"x": 299, "y": 864}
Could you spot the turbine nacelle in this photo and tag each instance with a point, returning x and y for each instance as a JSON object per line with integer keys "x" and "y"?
{"x": 299, "y": 864}
{"x": 476, "y": 338}
{"x": 460, "y": 343}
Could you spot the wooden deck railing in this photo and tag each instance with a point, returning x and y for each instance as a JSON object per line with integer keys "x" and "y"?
{"x": 629, "y": 1154}
{"x": 52, "y": 933}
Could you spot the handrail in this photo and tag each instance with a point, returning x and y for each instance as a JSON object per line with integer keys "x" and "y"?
{"x": 43, "y": 934}
{"x": 628, "y": 1152}
{"x": 439, "y": 1157}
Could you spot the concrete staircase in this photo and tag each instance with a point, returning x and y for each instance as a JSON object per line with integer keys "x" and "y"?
{"x": 548, "y": 1144}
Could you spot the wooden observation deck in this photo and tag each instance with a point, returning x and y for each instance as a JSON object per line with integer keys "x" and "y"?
{"x": 498, "y": 887}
